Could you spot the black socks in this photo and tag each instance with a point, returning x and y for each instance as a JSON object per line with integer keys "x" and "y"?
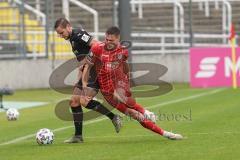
{"x": 78, "y": 119}
{"x": 98, "y": 107}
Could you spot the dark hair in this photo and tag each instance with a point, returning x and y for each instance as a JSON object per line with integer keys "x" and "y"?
{"x": 63, "y": 22}
{"x": 113, "y": 31}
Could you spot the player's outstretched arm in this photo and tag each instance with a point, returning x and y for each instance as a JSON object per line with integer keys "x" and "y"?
{"x": 85, "y": 74}
{"x": 80, "y": 69}
{"x": 126, "y": 68}
{"x": 90, "y": 60}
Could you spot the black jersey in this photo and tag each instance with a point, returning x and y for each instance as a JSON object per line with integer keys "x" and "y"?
{"x": 80, "y": 40}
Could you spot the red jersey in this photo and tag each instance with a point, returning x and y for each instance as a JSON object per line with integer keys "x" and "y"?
{"x": 109, "y": 66}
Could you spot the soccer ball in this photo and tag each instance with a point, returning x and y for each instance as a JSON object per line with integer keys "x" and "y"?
{"x": 12, "y": 114}
{"x": 44, "y": 136}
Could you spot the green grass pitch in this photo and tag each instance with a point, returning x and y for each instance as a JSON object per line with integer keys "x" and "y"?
{"x": 208, "y": 118}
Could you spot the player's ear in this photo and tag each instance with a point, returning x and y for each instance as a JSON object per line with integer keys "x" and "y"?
{"x": 69, "y": 27}
{"x": 118, "y": 37}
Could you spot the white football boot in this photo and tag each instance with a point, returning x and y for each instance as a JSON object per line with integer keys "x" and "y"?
{"x": 172, "y": 136}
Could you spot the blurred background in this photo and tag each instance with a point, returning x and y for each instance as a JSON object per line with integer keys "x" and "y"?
{"x": 162, "y": 31}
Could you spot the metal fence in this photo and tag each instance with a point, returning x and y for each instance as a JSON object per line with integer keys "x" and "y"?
{"x": 26, "y": 26}
{"x": 19, "y": 22}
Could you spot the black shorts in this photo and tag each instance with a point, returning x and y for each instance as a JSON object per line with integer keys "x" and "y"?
{"x": 92, "y": 81}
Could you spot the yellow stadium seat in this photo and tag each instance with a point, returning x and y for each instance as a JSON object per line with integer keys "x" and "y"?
{"x": 34, "y": 32}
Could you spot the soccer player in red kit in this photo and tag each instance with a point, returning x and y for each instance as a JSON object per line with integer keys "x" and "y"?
{"x": 112, "y": 70}
{"x": 81, "y": 42}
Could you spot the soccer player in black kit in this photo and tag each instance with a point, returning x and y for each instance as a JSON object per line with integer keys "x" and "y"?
{"x": 81, "y": 43}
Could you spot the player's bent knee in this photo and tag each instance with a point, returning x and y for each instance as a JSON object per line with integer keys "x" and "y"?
{"x": 90, "y": 92}
{"x": 84, "y": 100}
{"x": 74, "y": 102}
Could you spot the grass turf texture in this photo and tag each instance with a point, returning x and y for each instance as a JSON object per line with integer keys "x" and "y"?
{"x": 212, "y": 129}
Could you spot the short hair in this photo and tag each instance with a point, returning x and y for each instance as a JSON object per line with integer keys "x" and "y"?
{"x": 113, "y": 31}
{"x": 63, "y": 22}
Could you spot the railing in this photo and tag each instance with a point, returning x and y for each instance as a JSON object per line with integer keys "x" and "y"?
{"x": 226, "y": 12}
{"x": 161, "y": 43}
{"x": 85, "y": 7}
{"x": 166, "y": 43}
{"x": 38, "y": 7}
{"x": 178, "y": 26}
{"x": 178, "y": 13}
{"x": 164, "y": 47}
{"x": 33, "y": 10}
{"x": 226, "y": 18}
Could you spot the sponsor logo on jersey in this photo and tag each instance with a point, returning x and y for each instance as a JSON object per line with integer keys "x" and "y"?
{"x": 85, "y": 37}
{"x": 119, "y": 56}
{"x": 104, "y": 56}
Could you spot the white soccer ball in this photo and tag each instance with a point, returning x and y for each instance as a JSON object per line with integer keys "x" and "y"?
{"x": 44, "y": 136}
{"x": 12, "y": 114}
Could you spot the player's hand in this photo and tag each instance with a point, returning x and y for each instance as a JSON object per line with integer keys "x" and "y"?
{"x": 80, "y": 68}
{"x": 84, "y": 85}
{"x": 86, "y": 93}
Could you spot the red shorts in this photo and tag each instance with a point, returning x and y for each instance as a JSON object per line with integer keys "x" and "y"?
{"x": 115, "y": 103}
{"x": 120, "y": 81}
{"x": 122, "y": 90}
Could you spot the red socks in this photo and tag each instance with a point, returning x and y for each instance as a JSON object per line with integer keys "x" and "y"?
{"x": 132, "y": 103}
{"x": 145, "y": 123}
{"x": 151, "y": 126}
{"x": 139, "y": 108}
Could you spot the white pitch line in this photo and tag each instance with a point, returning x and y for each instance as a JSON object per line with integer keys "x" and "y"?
{"x": 214, "y": 133}
{"x": 101, "y": 119}
{"x": 55, "y": 130}
{"x": 186, "y": 98}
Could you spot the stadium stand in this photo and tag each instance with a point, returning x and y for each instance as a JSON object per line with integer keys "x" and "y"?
{"x": 157, "y": 18}
{"x": 35, "y": 37}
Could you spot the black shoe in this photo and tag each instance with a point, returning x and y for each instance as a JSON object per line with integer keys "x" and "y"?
{"x": 117, "y": 122}
{"x": 74, "y": 139}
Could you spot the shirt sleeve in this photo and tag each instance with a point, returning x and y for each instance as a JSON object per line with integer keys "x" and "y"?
{"x": 83, "y": 37}
{"x": 125, "y": 54}
{"x": 96, "y": 49}
{"x": 93, "y": 54}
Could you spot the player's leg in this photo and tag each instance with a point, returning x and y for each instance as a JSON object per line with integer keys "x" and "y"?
{"x": 140, "y": 118}
{"x": 147, "y": 123}
{"x": 111, "y": 99}
{"x": 87, "y": 101}
{"x": 77, "y": 117}
{"x": 123, "y": 94}
{"x": 120, "y": 95}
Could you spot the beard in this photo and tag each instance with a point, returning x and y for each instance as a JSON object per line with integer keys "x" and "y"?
{"x": 67, "y": 38}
